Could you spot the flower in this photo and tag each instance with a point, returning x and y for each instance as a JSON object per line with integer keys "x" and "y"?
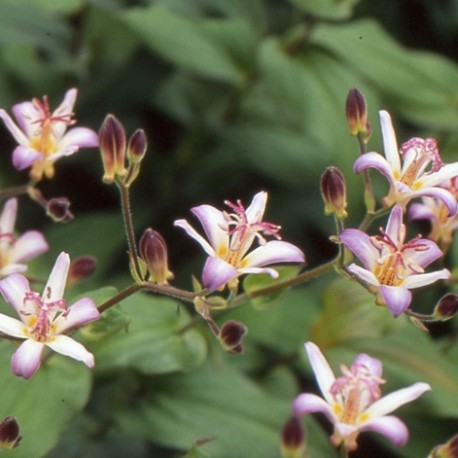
{"x": 442, "y": 224}
{"x": 230, "y": 237}
{"x": 421, "y": 171}
{"x": 393, "y": 267}
{"x": 44, "y": 319}
{"x": 42, "y": 135}
{"x": 353, "y": 402}
{"x": 13, "y": 252}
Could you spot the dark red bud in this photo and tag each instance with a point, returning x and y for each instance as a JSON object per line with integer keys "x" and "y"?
{"x": 356, "y": 112}
{"x": 293, "y": 438}
{"x": 137, "y": 146}
{"x": 231, "y": 334}
{"x": 153, "y": 250}
{"x": 58, "y": 208}
{"x": 112, "y": 143}
{"x": 81, "y": 268}
{"x": 9, "y": 433}
{"x": 447, "y": 450}
{"x": 446, "y": 308}
{"x": 333, "y": 191}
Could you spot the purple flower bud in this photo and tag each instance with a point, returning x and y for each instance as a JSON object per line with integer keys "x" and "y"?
{"x": 231, "y": 334}
{"x": 58, "y": 208}
{"x": 447, "y": 450}
{"x": 9, "y": 433}
{"x": 293, "y": 438}
{"x": 333, "y": 191}
{"x": 81, "y": 268}
{"x": 112, "y": 143}
{"x": 137, "y": 146}
{"x": 356, "y": 112}
{"x": 153, "y": 250}
{"x": 446, "y": 308}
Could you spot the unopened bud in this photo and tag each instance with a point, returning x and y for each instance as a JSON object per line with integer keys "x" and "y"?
{"x": 231, "y": 334}
{"x": 58, "y": 208}
{"x": 153, "y": 250}
{"x": 447, "y": 450}
{"x": 137, "y": 146}
{"x": 293, "y": 439}
{"x": 81, "y": 268}
{"x": 112, "y": 143}
{"x": 446, "y": 308}
{"x": 9, "y": 433}
{"x": 333, "y": 191}
{"x": 357, "y": 116}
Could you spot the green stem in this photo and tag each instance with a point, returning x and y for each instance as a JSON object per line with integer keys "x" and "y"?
{"x": 128, "y": 226}
{"x": 14, "y": 191}
{"x": 119, "y": 297}
{"x": 301, "y": 278}
{"x": 371, "y": 217}
{"x": 170, "y": 291}
{"x": 343, "y": 452}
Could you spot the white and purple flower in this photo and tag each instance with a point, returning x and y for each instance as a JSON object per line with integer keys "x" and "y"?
{"x": 392, "y": 267}
{"x": 15, "y": 251}
{"x": 353, "y": 402}
{"x": 42, "y": 135}
{"x": 44, "y": 319}
{"x": 230, "y": 237}
{"x": 420, "y": 172}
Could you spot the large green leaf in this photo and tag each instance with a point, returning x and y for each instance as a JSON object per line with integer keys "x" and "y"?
{"x": 152, "y": 343}
{"x": 45, "y": 404}
{"x": 330, "y": 9}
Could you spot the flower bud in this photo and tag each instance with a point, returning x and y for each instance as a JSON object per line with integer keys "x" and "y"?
{"x": 356, "y": 112}
{"x": 137, "y": 146}
{"x": 112, "y": 143}
{"x": 446, "y": 308}
{"x": 447, "y": 450}
{"x": 231, "y": 334}
{"x": 58, "y": 208}
{"x": 293, "y": 439}
{"x": 81, "y": 268}
{"x": 333, "y": 191}
{"x": 153, "y": 250}
{"x": 9, "y": 433}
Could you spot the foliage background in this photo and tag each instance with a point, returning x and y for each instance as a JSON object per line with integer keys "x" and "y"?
{"x": 236, "y": 96}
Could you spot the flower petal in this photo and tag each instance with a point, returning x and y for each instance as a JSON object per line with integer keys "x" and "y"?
{"x": 395, "y": 229}
{"x": 438, "y": 193}
{"x": 418, "y": 280}
{"x": 215, "y": 227}
{"x": 374, "y": 365}
{"x": 311, "y": 403}
{"x": 80, "y": 313}
{"x": 54, "y": 290}
{"x": 422, "y": 252}
{"x": 27, "y": 358}
{"x": 12, "y": 327}
{"x": 392, "y": 401}
{"x": 363, "y": 274}
{"x": 24, "y": 157}
{"x": 195, "y": 235}
{"x": 81, "y": 137}
{"x": 217, "y": 273}
{"x": 17, "y": 133}
{"x": 374, "y": 161}
{"x": 323, "y": 372}
{"x": 28, "y": 246}
{"x": 390, "y": 144}
{"x": 8, "y": 217}
{"x": 14, "y": 288}
{"x": 273, "y": 252}
{"x": 396, "y": 298}
{"x": 259, "y": 270}
{"x": 391, "y": 427}
{"x": 69, "y": 347}
{"x": 422, "y": 211}
{"x": 27, "y": 114}
{"x": 255, "y": 211}
{"x": 360, "y": 244}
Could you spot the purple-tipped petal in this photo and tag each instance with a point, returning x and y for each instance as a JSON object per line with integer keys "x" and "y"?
{"x": 374, "y": 365}
{"x": 195, "y": 235}
{"x": 396, "y": 298}
{"x": 363, "y": 274}
{"x": 12, "y": 327}
{"x": 215, "y": 227}
{"x": 80, "y": 313}
{"x": 54, "y": 290}
{"x": 395, "y": 228}
{"x": 17, "y": 133}
{"x": 273, "y": 252}
{"x": 69, "y": 347}
{"x": 13, "y": 289}
{"x": 374, "y": 161}
{"x": 390, "y": 427}
{"x": 392, "y": 401}
{"x": 28, "y": 246}
{"x": 217, "y": 273}
{"x": 81, "y": 137}
{"x": 26, "y": 114}
{"x": 323, "y": 372}
{"x": 8, "y": 217}
{"x": 360, "y": 244}
{"x": 27, "y": 358}
{"x": 421, "y": 211}
{"x": 311, "y": 403}
{"x": 438, "y": 193}
{"x": 416, "y": 281}
{"x": 390, "y": 144}
{"x": 255, "y": 211}
{"x": 423, "y": 253}
{"x": 24, "y": 157}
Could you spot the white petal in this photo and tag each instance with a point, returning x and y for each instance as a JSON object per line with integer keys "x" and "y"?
{"x": 390, "y": 144}
{"x": 69, "y": 347}
{"x": 363, "y": 274}
{"x": 81, "y": 137}
{"x": 80, "y": 313}
{"x": 255, "y": 211}
{"x": 54, "y": 290}
{"x": 215, "y": 227}
{"x": 391, "y": 427}
{"x": 13, "y": 128}
{"x": 323, "y": 372}
{"x": 28, "y": 246}
{"x": 311, "y": 403}
{"x": 418, "y": 280}
{"x": 12, "y": 327}
{"x": 13, "y": 289}
{"x": 195, "y": 235}
{"x": 27, "y": 358}
{"x": 8, "y": 217}
{"x": 273, "y": 252}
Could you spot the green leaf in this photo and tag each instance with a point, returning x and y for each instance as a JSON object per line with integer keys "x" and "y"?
{"x": 44, "y": 405}
{"x": 188, "y": 43}
{"x": 329, "y": 9}
{"x": 53, "y": 6}
{"x": 153, "y": 343}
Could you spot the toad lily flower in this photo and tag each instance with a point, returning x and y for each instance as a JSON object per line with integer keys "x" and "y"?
{"x": 353, "y": 402}
{"x": 231, "y": 235}
{"x": 14, "y": 252}
{"x": 392, "y": 267}
{"x": 420, "y": 173}
{"x": 44, "y": 319}
{"x": 42, "y": 135}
